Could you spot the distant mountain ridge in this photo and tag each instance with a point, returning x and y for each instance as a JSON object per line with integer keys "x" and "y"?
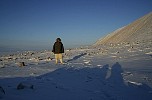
{"x": 139, "y": 30}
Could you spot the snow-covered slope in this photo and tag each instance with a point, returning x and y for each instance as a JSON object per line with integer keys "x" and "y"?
{"x": 138, "y": 31}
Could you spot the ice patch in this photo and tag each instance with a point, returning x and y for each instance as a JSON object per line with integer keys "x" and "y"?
{"x": 113, "y": 56}
{"x": 148, "y": 53}
{"x": 87, "y": 62}
{"x": 99, "y": 65}
{"x": 135, "y": 83}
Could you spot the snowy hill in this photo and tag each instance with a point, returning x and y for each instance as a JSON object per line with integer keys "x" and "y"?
{"x": 138, "y": 31}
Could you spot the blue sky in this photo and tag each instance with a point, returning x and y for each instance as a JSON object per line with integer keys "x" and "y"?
{"x": 37, "y": 23}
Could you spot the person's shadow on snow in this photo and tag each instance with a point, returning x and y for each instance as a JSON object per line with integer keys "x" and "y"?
{"x": 121, "y": 89}
{"x": 116, "y": 74}
{"x": 77, "y": 57}
{"x": 84, "y": 83}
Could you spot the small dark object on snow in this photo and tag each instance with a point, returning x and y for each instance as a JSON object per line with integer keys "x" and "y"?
{"x": 23, "y": 86}
{"x": 21, "y": 64}
{"x": 2, "y": 90}
{"x": 20, "y": 86}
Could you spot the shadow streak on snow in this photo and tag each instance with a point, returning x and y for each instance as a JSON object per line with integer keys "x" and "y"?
{"x": 77, "y": 57}
{"x": 83, "y": 84}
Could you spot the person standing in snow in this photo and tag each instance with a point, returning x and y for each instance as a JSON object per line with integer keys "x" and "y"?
{"x": 58, "y": 49}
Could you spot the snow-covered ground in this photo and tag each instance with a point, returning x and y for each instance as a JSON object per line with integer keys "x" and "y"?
{"x": 114, "y": 72}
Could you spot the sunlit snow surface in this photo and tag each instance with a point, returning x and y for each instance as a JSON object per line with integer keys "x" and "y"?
{"x": 113, "y": 72}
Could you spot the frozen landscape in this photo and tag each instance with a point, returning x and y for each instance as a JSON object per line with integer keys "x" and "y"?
{"x": 114, "y": 71}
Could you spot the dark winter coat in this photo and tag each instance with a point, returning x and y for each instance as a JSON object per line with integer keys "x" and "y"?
{"x": 58, "y": 48}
